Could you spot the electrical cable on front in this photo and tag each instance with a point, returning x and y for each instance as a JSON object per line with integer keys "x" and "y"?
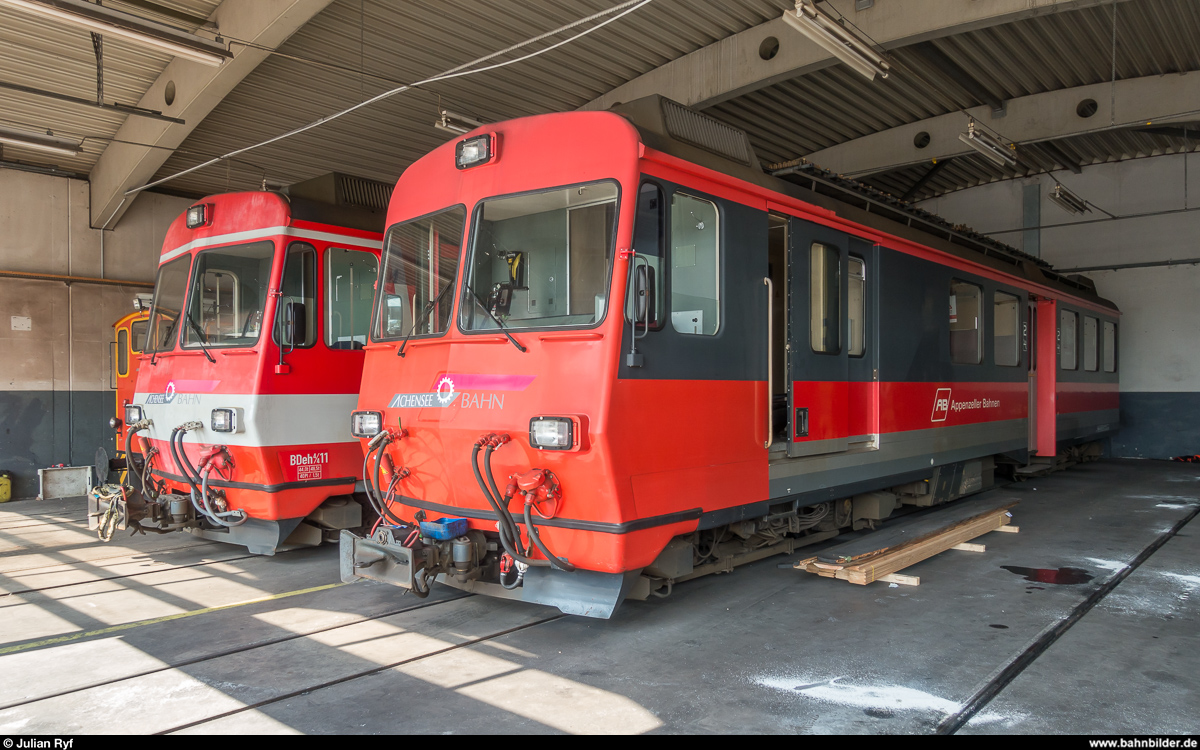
{"x": 531, "y": 529}
{"x": 509, "y": 537}
{"x": 455, "y": 72}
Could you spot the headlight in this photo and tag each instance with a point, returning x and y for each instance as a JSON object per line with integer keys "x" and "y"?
{"x": 197, "y": 216}
{"x": 226, "y": 420}
{"x": 473, "y": 151}
{"x": 114, "y": 423}
{"x": 132, "y": 414}
{"x": 551, "y": 433}
{"x": 365, "y": 424}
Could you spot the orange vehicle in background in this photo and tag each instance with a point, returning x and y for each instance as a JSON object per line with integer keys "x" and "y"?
{"x": 129, "y": 339}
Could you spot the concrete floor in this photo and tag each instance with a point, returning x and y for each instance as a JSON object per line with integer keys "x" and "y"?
{"x": 171, "y": 634}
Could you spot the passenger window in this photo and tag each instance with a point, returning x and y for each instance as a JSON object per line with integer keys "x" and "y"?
{"x": 299, "y": 286}
{"x": 648, "y": 244}
{"x": 1006, "y": 329}
{"x": 695, "y": 267}
{"x": 1067, "y": 322}
{"x": 856, "y": 296}
{"x": 349, "y": 286}
{"x": 825, "y": 299}
{"x": 1110, "y": 347}
{"x": 122, "y": 352}
{"x": 966, "y": 329}
{"x": 1090, "y": 355}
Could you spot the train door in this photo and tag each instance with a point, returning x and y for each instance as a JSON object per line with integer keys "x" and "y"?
{"x": 1029, "y": 336}
{"x": 818, "y": 354}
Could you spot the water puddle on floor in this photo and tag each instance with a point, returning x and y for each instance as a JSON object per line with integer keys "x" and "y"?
{"x": 1066, "y": 576}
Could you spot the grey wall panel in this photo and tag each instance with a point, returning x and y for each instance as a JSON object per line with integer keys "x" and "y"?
{"x": 1158, "y": 425}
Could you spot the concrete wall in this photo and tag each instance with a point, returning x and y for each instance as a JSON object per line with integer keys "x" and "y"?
{"x": 1159, "y": 342}
{"x": 55, "y": 399}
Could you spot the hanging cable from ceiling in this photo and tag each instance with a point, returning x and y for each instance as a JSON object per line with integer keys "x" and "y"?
{"x": 466, "y": 69}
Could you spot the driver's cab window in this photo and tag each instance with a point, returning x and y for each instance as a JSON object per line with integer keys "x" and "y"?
{"x": 299, "y": 288}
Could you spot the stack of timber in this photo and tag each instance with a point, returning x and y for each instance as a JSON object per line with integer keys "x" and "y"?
{"x": 881, "y": 555}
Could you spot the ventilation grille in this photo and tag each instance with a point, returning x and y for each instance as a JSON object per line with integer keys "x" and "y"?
{"x": 359, "y": 191}
{"x": 700, "y": 130}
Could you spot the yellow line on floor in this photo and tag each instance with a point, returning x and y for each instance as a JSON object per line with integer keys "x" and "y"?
{"x": 155, "y": 620}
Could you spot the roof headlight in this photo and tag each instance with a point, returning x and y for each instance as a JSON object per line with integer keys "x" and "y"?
{"x": 198, "y": 215}
{"x": 366, "y": 424}
{"x": 473, "y": 151}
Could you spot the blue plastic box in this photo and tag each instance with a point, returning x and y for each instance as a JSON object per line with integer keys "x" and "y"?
{"x": 444, "y": 528}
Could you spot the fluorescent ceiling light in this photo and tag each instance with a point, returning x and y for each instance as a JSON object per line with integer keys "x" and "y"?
{"x": 37, "y": 142}
{"x": 457, "y": 124}
{"x": 839, "y": 41}
{"x": 988, "y": 145}
{"x": 1067, "y": 200}
{"x": 109, "y": 22}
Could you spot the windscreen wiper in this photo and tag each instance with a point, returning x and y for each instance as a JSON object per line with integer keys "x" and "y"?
{"x": 492, "y": 315}
{"x": 421, "y": 318}
{"x": 202, "y": 340}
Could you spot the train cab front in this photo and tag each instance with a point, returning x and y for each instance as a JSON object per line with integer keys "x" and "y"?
{"x": 485, "y": 401}
{"x": 232, "y": 431}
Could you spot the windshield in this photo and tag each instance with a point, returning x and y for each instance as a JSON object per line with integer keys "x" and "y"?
{"x": 229, "y": 289}
{"x": 168, "y": 301}
{"x": 420, "y": 262}
{"x": 541, "y": 260}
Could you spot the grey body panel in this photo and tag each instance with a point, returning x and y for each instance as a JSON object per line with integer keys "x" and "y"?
{"x": 259, "y": 536}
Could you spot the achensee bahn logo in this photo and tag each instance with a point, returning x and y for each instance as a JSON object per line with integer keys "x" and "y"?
{"x": 442, "y": 396}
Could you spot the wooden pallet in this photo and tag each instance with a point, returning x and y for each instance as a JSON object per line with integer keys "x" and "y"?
{"x": 884, "y": 564}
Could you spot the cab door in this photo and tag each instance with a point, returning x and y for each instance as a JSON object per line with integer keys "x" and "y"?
{"x": 819, "y": 351}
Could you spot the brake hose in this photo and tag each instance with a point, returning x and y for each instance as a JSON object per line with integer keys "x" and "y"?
{"x": 557, "y": 562}
{"x": 510, "y": 544}
{"x": 130, "y": 467}
{"x": 215, "y": 515}
{"x": 387, "y": 512}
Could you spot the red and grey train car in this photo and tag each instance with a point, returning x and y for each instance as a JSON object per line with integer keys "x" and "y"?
{"x": 252, "y": 359}
{"x": 611, "y": 353}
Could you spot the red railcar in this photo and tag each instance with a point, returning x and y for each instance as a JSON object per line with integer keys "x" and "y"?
{"x": 615, "y": 331}
{"x": 252, "y": 358}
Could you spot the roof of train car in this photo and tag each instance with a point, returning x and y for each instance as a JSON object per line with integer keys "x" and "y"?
{"x": 679, "y": 131}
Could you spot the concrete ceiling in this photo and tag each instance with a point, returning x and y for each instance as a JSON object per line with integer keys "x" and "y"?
{"x": 1022, "y": 70}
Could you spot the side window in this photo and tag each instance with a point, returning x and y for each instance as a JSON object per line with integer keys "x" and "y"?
{"x": 137, "y": 341}
{"x": 695, "y": 265}
{"x": 349, "y": 287}
{"x": 1067, "y": 356}
{"x": 299, "y": 287}
{"x": 966, "y": 328}
{"x": 1090, "y": 344}
{"x": 1110, "y": 347}
{"x": 856, "y": 296}
{"x": 1006, "y": 329}
{"x": 122, "y": 352}
{"x": 648, "y": 243}
{"x": 825, "y": 299}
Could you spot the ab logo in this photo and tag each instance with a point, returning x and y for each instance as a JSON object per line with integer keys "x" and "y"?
{"x": 941, "y": 405}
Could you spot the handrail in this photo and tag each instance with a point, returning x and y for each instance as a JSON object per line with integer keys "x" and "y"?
{"x": 770, "y": 363}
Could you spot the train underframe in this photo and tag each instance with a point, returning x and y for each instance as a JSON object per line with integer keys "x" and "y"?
{"x": 406, "y": 556}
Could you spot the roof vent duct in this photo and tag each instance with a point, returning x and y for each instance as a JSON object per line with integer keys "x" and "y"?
{"x": 664, "y": 117}
{"x": 338, "y": 189}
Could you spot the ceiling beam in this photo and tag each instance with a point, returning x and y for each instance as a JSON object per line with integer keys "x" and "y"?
{"x": 1139, "y": 103}
{"x": 943, "y": 64}
{"x": 732, "y": 66}
{"x": 198, "y": 89}
{"x": 934, "y": 168}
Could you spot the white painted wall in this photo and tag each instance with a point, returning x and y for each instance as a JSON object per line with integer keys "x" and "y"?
{"x": 1159, "y": 346}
